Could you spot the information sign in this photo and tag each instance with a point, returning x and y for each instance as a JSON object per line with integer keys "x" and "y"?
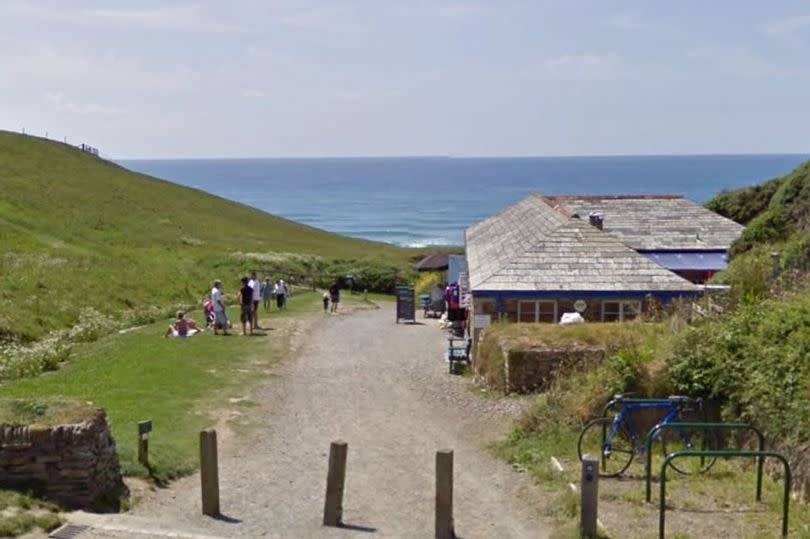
{"x": 406, "y": 303}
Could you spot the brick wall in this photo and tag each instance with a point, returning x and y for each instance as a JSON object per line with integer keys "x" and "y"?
{"x": 74, "y": 465}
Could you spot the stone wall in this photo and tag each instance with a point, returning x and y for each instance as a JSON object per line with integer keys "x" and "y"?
{"x": 74, "y": 465}
{"x": 533, "y": 369}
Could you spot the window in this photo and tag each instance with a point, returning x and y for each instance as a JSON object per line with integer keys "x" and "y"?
{"x": 620, "y": 311}
{"x": 537, "y": 311}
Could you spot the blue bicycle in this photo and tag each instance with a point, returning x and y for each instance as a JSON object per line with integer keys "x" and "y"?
{"x": 616, "y": 440}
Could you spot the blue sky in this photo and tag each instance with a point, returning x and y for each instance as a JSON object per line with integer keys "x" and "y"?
{"x": 249, "y": 78}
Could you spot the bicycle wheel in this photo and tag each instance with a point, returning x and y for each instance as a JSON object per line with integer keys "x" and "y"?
{"x": 686, "y": 438}
{"x": 614, "y": 454}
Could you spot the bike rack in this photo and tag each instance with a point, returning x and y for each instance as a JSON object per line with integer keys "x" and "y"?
{"x": 724, "y": 453}
{"x": 656, "y": 430}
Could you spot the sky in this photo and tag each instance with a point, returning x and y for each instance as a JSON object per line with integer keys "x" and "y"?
{"x": 299, "y": 78}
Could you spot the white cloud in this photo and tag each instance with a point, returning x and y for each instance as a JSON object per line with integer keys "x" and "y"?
{"x": 457, "y": 10}
{"x": 45, "y": 65}
{"x": 321, "y": 19}
{"x": 786, "y": 27}
{"x": 743, "y": 63}
{"x": 254, "y": 94}
{"x": 62, "y": 104}
{"x": 269, "y": 56}
{"x": 585, "y": 66}
{"x": 188, "y": 18}
{"x": 625, "y": 21}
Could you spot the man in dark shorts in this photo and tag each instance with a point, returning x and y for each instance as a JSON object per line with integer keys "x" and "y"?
{"x": 246, "y": 304}
{"x": 334, "y": 295}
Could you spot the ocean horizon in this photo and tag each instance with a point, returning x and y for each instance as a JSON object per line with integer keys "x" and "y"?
{"x": 429, "y": 200}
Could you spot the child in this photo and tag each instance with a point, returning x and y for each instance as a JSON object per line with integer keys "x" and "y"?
{"x": 325, "y": 301}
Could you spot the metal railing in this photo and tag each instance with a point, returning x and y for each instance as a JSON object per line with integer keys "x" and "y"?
{"x": 662, "y": 507}
{"x": 658, "y": 429}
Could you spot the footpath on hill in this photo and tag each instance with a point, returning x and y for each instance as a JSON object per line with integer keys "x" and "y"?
{"x": 384, "y": 389}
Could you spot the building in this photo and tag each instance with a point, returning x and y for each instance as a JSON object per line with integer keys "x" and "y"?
{"x": 606, "y": 257}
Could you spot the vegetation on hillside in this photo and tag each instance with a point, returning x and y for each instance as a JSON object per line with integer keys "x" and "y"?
{"x": 77, "y": 231}
{"x": 776, "y": 213}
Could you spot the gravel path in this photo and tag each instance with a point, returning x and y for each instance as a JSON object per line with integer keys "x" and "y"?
{"x": 384, "y": 389}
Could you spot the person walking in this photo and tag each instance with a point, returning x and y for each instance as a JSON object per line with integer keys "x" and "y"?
{"x": 334, "y": 295}
{"x": 267, "y": 293}
{"x": 325, "y": 302}
{"x": 246, "y": 306}
{"x": 281, "y": 294}
{"x": 255, "y": 286}
{"x": 220, "y": 318}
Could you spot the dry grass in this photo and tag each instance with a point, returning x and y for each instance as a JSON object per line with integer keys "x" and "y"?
{"x": 602, "y": 335}
{"x": 45, "y": 412}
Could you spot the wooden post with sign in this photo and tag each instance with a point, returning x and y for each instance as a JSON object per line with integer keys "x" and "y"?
{"x": 144, "y": 428}
{"x": 406, "y": 303}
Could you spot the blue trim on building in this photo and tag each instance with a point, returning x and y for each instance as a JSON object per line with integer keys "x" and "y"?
{"x": 689, "y": 259}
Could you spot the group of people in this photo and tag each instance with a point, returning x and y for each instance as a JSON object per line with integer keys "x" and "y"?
{"x": 252, "y": 292}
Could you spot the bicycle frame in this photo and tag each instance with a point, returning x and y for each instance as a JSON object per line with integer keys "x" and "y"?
{"x": 625, "y": 413}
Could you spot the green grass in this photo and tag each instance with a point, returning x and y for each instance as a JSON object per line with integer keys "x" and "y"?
{"x": 20, "y": 513}
{"x": 726, "y": 492}
{"x": 178, "y": 384}
{"x": 78, "y": 231}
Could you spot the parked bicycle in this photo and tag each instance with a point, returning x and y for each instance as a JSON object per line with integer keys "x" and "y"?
{"x": 616, "y": 441}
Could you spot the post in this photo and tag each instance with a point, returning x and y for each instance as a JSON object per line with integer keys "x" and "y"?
{"x": 209, "y": 472}
{"x": 335, "y": 482}
{"x": 144, "y": 428}
{"x": 590, "y": 496}
{"x": 444, "y": 494}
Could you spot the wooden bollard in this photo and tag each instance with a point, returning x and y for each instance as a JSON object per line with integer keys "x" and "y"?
{"x": 209, "y": 472}
{"x": 444, "y": 494}
{"x": 590, "y": 496}
{"x": 335, "y": 481}
{"x": 144, "y": 428}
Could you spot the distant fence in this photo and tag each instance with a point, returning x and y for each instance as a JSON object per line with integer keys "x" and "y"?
{"x": 89, "y": 149}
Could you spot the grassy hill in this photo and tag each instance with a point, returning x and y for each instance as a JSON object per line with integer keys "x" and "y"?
{"x": 79, "y": 231}
{"x": 775, "y": 212}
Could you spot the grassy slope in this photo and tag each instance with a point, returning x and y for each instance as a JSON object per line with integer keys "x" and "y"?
{"x": 776, "y": 213}
{"x": 177, "y": 384}
{"x": 78, "y": 231}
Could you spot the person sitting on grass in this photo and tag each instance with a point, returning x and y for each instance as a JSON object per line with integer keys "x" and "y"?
{"x": 246, "y": 302}
{"x": 182, "y": 327}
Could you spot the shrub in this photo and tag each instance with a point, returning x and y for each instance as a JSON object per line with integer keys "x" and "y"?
{"x": 427, "y": 281}
{"x": 755, "y": 361}
{"x": 91, "y": 326}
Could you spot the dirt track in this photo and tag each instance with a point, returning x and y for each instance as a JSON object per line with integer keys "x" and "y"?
{"x": 384, "y": 389}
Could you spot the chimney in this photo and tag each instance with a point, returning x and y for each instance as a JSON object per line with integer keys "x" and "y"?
{"x": 596, "y": 219}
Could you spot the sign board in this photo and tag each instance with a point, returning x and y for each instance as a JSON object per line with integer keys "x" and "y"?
{"x": 580, "y": 305}
{"x": 482, "y": 321}
{"x": 406, "y": 303}
{"x": 144, "y": 428}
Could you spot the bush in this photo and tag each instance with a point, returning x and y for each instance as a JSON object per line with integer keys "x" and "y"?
{"x": 427, "y": 281}
{"x": 756, "y": 362}
{"x": 91, "y": 326}
{"x": 743, "y": 205}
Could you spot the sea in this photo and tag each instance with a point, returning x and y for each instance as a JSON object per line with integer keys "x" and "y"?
{"x": 422, "y": 201}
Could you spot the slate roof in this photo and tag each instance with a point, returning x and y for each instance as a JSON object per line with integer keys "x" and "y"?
{"x": 494, "y": 241}
{"x": 537, "y": 245}
{"x": 434, "y": 262}
{"x": 656, "y": 222}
